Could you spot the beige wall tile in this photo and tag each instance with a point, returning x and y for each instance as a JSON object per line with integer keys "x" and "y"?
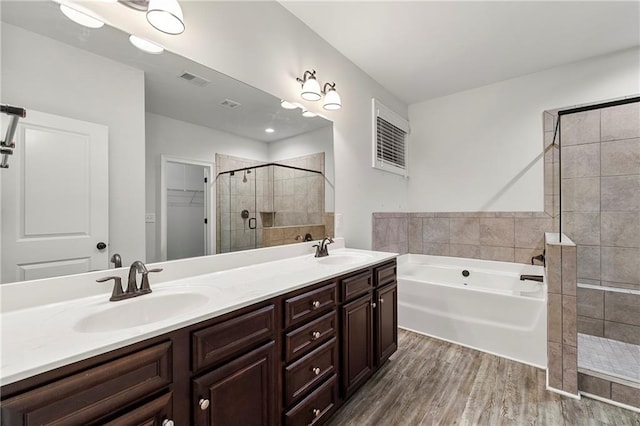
{"x": 529, "y": 232}
{"x": 436, "y": 249}
{"x": 580, "y": 128}
{"x": 623, "y": 332}
{"x": 524, "y": 255}
{"x": 580, "y": 160}
{"x": 569, "y": 270}
{"x": 622, "y": 307}
{"x": 621, "y": 122}
{"x": 569, "y": 369}
{"x": 581, "y": 194}
{"x": 548, "y": 122}
{"x": 415, "y": 235}
{"x": 594, "y": 385}
{"x": 588, "y": 263}
{"x": 591, "y": 303}
{"x": 625, "y": 394}
{"x": 501, "y": 254}
{"x": 465, "y": 231}
{"x": 497, "y": 232}
{"x": 554, "y": 318}
{"x": 569, "y": 321}
{"x": 620, "y": 193}
{"x": 582, "y": 228}
{"x": 464, "y": 250}
{"x": 554, "y": 364}
{"x": 620, "y": 157}
{"x": 620, "y": 229}
{"x": 591, "y": 326}
{"x": 621, "y": 285}
{"x": 554, "y": 268}
{"x": 620, "y": 264}
{"x": 552, "y": 205}
{"x": 435, "y": 230}
{"x": 551, "y": 179}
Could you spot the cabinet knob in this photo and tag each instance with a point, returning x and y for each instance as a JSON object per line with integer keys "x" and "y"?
{"x": 316, "y": 370}
{"x": 167, "y": 422}
{"x": 315, "y": 304}
{"x": 315, "y": 335}
{"x": 316, "y": 412}
{"x": 373, "y": 304}
{"x": 381, "y": 300}
{"x": 203, "y": 403}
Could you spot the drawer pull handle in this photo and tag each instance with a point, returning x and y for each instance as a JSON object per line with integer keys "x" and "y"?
{"x": 316, "y": 412}
{"x": 316, "y": 370}
{"x": 315, "y": 304}
{"x": 315, "y": 335}
{"x": 204, "y": 404}
{"x": 167, "y": 422}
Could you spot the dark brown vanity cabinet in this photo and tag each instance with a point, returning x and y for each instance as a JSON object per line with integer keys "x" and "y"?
{"x": 291, "y": 360}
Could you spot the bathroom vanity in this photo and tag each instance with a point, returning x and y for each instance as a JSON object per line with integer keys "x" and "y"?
{"x": 290, "y": 358}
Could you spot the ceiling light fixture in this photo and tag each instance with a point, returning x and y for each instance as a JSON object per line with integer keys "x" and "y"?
{"x": 308, "y": 114}
{"x": 166, "y": 16}
{"x": 145, "y": 45}
{"x": 310, "y": 86}
{"x": 288, "y": 105}
{"x": 332, "y": 100}
{"x": 80, "y": 17}
{"x": 269, "y": 130}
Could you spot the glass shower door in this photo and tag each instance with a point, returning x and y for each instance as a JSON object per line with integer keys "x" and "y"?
{"x": 242, "y": 211}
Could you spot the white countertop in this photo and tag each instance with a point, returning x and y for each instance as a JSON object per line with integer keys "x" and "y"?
{"x": 40, "y": 338}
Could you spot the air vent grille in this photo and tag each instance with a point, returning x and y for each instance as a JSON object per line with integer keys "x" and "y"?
{"x": 194, "y": 79}
{"x": 228, "y": 103}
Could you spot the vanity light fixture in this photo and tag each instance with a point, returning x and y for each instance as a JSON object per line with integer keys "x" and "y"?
{"x": 310, "y": 86}
{"x": 80, "y": 17}
{"x": 145, "y": 45}
{"x": 332, "y": 100}
{"x": 166, "y": 16}
{"x": 308, "y": 114}
{"x": 288, "y": 105}
{"x": 269, "y": 130}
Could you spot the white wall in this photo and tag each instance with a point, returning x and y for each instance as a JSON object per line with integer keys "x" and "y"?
{"x": 169, "y": 137}
{"x": 43, "y": 74}
{"x": 319, "y": 140}
{"x": 264, "y": 45}
{"x": 482, "y": 149}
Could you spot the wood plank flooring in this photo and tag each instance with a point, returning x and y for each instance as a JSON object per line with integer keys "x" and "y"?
{"x": 431, "y": 382}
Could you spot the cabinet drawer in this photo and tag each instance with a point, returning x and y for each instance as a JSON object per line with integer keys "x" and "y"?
{"x": 310, "y": 336}
{"x": 306, "y": 305}
{"x": 92, "y": 394}
{"x": 353, "y": 287}
{"x": 150, "y": 414}
{"x": 315, "y": 408}
{"x": 220, "y": 341}
{"x": 385, "y": 274}
{"x": 304, "y": 374}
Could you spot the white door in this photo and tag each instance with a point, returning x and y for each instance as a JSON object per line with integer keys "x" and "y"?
{"x": 55, "y": 199}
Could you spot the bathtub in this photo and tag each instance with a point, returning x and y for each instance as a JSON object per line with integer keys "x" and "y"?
{"x": 490, "y": 310}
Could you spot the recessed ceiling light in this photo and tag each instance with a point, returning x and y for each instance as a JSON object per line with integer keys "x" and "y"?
{"x": 308, "y": 114}
{"x": 269, "y": 130}
{"x": 80, "y": 17}
{"x": 145, "y": 45}
{"x": 288, "y": 105}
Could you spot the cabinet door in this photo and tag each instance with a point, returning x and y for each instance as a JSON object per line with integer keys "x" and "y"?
{"x": 241, "y": 392}
{"x": 386, "y": 322}
{"x": 153, "y": 413}
{"x": 357, "y": 343}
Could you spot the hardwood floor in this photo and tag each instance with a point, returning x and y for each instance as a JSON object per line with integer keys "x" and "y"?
{"x": 431, "y": 382}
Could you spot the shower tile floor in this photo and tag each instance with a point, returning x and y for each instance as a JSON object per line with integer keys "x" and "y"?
{"x": 610, "y": 357}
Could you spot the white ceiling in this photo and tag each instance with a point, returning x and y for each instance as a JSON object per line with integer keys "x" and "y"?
{"x": 165, "y": 93}
{"x": 424, "y": 49}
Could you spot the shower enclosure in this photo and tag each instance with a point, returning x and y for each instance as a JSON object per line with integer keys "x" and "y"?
{"x": 592, "y": 171}
{"x": 269, "y": 204}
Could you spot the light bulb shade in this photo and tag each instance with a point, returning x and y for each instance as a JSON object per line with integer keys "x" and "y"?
{"x": 80, "y": 17}
{"x": 311, "y": 89}
{"x": 332, "y": 100}
{"x": 145, "y": 45}
{"x": 166, "y": 16}
{"x": 287, "y": 105}
{"x": 308, "y": 114}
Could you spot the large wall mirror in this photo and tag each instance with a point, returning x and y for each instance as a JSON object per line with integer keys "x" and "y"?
{"x": 154, "y": 155}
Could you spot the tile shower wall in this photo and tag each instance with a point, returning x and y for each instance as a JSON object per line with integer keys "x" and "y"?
{"x": 601, "y": 213}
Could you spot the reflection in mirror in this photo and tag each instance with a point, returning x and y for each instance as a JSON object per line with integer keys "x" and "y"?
{"x": 151, "y": 111}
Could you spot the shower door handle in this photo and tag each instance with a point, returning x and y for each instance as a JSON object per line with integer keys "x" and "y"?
{"x": 252, "y": 225}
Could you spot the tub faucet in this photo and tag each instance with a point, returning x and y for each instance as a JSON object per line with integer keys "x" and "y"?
{"x": 321, "y": 247}
{"x": 540, "y": 258}
{"x": 538, "y": 278}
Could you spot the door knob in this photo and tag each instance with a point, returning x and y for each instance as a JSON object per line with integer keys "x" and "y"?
{"x": 101, "y": 246}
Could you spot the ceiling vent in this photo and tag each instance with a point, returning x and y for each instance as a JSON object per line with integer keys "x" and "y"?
{"x": 194, "y": 79}
{"x": 228, "y": 103}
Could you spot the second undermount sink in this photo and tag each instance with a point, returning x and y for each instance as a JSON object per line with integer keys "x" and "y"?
{"x": 344, "y": 258}
{"x": 140, "y": 311}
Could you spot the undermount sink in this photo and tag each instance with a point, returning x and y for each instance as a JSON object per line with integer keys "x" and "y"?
{"x": 344, "y": 258}
{"x": 139, "y": 311}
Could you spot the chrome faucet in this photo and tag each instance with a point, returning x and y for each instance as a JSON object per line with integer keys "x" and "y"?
{"x": 321, "y": 247}
{"x": 132, "y": 286}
